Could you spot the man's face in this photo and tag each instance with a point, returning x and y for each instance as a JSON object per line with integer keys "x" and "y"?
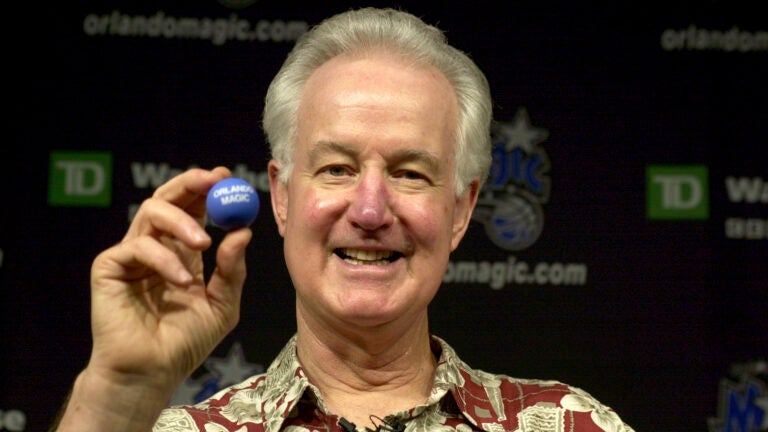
{"x": 369, "y": 215}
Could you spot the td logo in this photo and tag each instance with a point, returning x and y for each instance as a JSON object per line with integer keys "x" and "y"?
{"x": 80, "y": 179}
{"x": 677, "y": 192}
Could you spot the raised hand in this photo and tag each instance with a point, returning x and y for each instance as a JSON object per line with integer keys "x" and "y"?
{"x": 154, "y": 317}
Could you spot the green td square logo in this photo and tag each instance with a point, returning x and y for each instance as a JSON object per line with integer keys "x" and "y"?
{"x": 677, "y": 192}
{"x": 80, "y": 179}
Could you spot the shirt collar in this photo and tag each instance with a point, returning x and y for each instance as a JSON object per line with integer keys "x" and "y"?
{"x": 286, "y": 384}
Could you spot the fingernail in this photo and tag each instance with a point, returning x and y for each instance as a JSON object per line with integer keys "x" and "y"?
{"x": 184, "y": 277}
{"x": 199, "y": 236}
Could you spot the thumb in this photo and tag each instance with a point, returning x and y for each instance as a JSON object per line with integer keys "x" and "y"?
{"x": 226, "y": 285}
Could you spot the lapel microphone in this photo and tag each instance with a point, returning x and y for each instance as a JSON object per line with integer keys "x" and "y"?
{"x": 395, "y": 426}
{"x": 347, "y": 425}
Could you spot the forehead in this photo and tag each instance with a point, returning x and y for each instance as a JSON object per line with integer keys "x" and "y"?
{"x": 378, "y": 93}
{"x": 381, "y": 69}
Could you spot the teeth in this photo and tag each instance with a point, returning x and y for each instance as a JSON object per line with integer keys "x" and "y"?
{"x": 356, "y": 256}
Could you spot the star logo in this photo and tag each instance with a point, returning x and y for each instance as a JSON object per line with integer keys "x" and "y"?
{"x": 220, "y": 373}
{"x": 521, "y": 134}
{"x": 233, "y": 368}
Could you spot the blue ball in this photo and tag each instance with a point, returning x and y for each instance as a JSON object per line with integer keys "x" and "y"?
{"x": 232, "y": 203}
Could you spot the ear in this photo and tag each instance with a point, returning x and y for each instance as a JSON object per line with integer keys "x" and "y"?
{"x": 462, "y": 213}
{"x": 279, "y": 196}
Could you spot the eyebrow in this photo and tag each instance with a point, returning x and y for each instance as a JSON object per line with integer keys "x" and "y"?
{"x": 322, "y": 148}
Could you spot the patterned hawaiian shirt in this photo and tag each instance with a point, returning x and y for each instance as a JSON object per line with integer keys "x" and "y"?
{"x": 462, "y": 399}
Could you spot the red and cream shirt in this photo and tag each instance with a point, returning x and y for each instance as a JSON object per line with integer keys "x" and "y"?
{"x": 462, "y": 399}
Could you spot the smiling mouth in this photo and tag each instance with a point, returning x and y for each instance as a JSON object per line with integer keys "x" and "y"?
{"x": 367, "y": 257}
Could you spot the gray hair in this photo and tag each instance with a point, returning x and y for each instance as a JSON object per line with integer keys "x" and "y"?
{"x": 400, "y": 33}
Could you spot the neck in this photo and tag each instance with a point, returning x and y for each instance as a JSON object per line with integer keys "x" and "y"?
{"x": 363, "y": 372}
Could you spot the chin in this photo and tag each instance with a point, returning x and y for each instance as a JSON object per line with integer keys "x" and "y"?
{"x": 367, "y": 316}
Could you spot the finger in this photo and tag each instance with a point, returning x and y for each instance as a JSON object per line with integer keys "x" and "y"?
{"x": 137, "y": 258}
{"x": 189, "y": 189}
{"x": 226, "y": 285}
{"x": 157, "y": 217}
{"x": 185, "y": 193}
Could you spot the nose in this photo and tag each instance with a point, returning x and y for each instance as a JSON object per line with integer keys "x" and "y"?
{"x": 370, "y": 208}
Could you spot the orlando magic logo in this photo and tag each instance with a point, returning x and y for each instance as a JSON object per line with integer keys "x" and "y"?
{"x": 510, "y": 204}
{"x": 743, "y": 405}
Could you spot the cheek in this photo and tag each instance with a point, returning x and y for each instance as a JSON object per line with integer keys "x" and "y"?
{"x": 315, "y": 210}
{"x": 432, "y": 223}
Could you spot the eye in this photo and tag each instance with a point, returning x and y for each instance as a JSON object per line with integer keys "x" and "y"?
{"x": 336, "y": 171}
{"x": 411, "y": 175}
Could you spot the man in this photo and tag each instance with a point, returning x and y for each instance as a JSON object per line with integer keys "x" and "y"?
{"x": 380, "y": 136}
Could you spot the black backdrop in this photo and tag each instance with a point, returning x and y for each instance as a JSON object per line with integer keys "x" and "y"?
{"x": 631, "y": 150}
